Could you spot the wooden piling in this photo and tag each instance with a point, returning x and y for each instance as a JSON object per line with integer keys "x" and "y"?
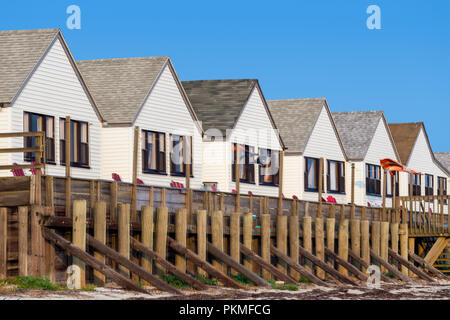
{"x": 123, "y": 229}
{"x": 217, "y": 235}
{"x": 100, "y": 235}
{"x": 343, "y": 244}
{"x": 331, "y": 224}
{"x": 180, "y": 237}
{"x": 320, "y": 245}
{"x": 201, "y": 238}
{"x": 294, "y": 242}
{"x": 23, "y": 240}
{"x": 365, "y": 241}
{"x": 265, "y": 242}
{"x": 235, "y": 237}
{"x": 147, "y": 235}
{"x": 282, "y": 239}
{"x": 384, "y": 242}
{"x": 79, "y": 236}
{"x": 247, "y": 235}
{"x": 307, "y": 239}
{"x": 162, "y": 215}
{"x": 404, "y": 245}
{"x": 3, "y": 243}
{"x": 375, "y": 236}
{"x": 355, "y": 235}
{"x": 394, "y": 236}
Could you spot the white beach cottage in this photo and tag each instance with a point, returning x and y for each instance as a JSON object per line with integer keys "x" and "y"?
{"x": 367, "y": 139}
{"x": 415, "y": 152}
{"x": 40, "y": 85}
{"x": 309, "y": 133}
{"x": 145, "y": 93}
{"x": 234, "y": 112}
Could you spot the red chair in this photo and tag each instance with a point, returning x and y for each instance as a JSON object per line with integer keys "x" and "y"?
{"x": 323, "y": 199}
{"x": 250, "y": 193}
{"x": 294, "y": 197}
{"x": 282, "y": 196}
{"x": 172, "y": 184}
{"x": 116, "y": 177}
{"x": 368, "y": 204}
{"x": 233, "y": 191}
{"x": 331, "y": 199}
{"x": 139, "y": 181}
{"x": 33, "y": 170}
{"x": 17, "y": 172}
{"x": 213, "y": 188}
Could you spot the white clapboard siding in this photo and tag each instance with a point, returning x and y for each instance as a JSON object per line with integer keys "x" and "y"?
{"x": 55, "y": 90}
{"x": 215, "y": 164}
{"x": 293, "y": 177}
{"x": 421, "y": 160}
{"x": 117, "y": 153}
{"x": 166, "y": 111}
{"x": 323, "y": 143}
{"x": 254, "y": 128}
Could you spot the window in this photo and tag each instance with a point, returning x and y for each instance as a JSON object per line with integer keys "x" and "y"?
{"x": 153, "y": 152}
{"x": 336, "y": 176}
{"x": 179, "y": 154}
{"x": 246, "y": 163}
{"x": 416, "y": 184}
{"x": 392, "y": 182}
{"x": 311, "y": 174}
{"x": 33, "y": 122}
{"x": 373, "y": 179}
{"x": 269, "y": 166}
{"x": 443, "y": 181}
{"x": 79, "y": 143}
{"x": 429, "y": 185}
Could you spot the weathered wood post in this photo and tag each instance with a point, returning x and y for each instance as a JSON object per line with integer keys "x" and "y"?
{"x": 123, "y": 229}
{"x": 280, "y": 184}
{"x": 282, "y": 239}
{"x": 100, "y": 235}
{"x": 384, "y": 242}
{"x": 365, "y": 237}
{"x": 37, "y": 241}
{"x": 23, "y": 240}
{"x": 217, "y": 235}
{"x": 180, "y": 237}
{"x": 147, "y": 235}
{"x": 162, "y": 215}
{"x": 237, "y": 173}
{"x": 265, "y": 242}
{"x": 294, "y": 226}
{"x": 320, "y": 245}
{"x": 331, "y": 224}
{"x": 355, "y": 233}
{"x": 68, "y": 155}
{"x": 235, "y": 237}
{"x": 136, "y": 151}
{"x": 307, "y": 236}
{"x": 353, "y": 185}
{"x": 79, "y": 236}
{"x": 201, "y": 237}
{"x": 404, "y": 245}
{"x": 247, "y": 235}
{"x": 3, "y": 243}
{"x": 343, "y": 240}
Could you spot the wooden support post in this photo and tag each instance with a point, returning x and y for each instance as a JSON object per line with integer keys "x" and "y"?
{"x": 384, "y": 189}
{"x": 375, "y": 241}
{"x": 384, "y": 242}
{"x": 331, "y": 225}
{"x": 217, "y": 235}
{"x": 410, "y": 266}
{"x": 49, "y": 253}
{"x": 280, "y": 184}
{"x": 343, "y": 243}
{"x": 147, "y": 236}
{"x": 23, "y": 240}
{"x": 365, "y": 241}
{"x": 247, "y": 235}
{"x": 37, "y": 243}
{"x": 79, "y": 236}
{"x": 307, "y": 239}
{"x": 49, "y": 192}
{"x": 162, "y": 215}
{"x": 201, "y": 237}
{"x": 427, "y": 266}
{"x": 353, "y": 185}
{"x": 3, "y": 243}
{"x": 123, "y": 227}
{"x": 320, "y": 245}
{"x": 136, "y": 151}
{"x": 389, "y": 267}
{"x": 235, "y": 237}
{"x": 237, "y": 173}
{"x": 394, "y": 236}
{"x": 100, "y": 235}
{"x": 265, "y": 242}
{"x": 404, "y": 245}
{"x": 180, "y": 237}
{"x": 282, "y": 239}
{"x": 355, "y": 235}
{"x": 68, "y": 156}
{"x": 113, "y": 201}
{"x": 294, "y": 242}
{"x": 320, "y": 189}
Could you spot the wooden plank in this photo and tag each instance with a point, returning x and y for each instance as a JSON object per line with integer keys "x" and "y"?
{"x": 355, "y": 235}
{"x": 280, "y": 184}
{"x": 351, "y": 268}
{"x": 331, "y": 225}
{"x": 375, "y": 241}
{"x": 404, "y": 246}
{"x": 147, "y": 236}
{"x": 325, "y": 267}
{"x": 250, "y": 275}
{"x": 294, "y": 242}
{"x": 265, "y": 242}
{"x": 307, "y": 237}
{"x": 364, "y": 266}
{"x": 235, "y": 237}
{"x": 436, "y": 250}
{"x": 49, "y": 251}
{"x": 3, "y": 243}
{"x": 68, "y": 148}
{"x": 49, "y": 191}
{"x": 180, "y": 237}
{"x": 23, "y": 240}
{"x": 135, "y": 170}
{"x": 123, "y": 227}
{"x": 139, "y": 246}
{"x": 201, "y": 237}
{"x": 320, "y": 245}
{"x": 202, "y": 263}
{"x": 365, "y": 241}
{"x": 79, "y": 236}
{"x": 22, "y": 166}
{"x": 410, "y": 266}
{"x": 161, "y": 235}
{"x": 100, "y": 235}
{"x": 389, "y": 267}
{"x": 343, "y": 243}
{"x": 20, "y": 134}
{"x": 384, "y": 242}
{"x": 265, "y": 265}
{"x": 303, "y": 271}
{"x": 427, "y": 266}
{"x": 15, "y": 198}
{"x": 217, "y": 235}
{"x": 247, "y": 235}
{"x": 113, "y": 201}
{"x": 90, "y": 261}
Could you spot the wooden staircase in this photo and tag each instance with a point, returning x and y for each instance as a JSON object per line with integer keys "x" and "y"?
{"x": 439, "y": 255}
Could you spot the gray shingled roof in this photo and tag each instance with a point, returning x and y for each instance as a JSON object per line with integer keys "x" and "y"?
{"x": 357, "y": 130}
{"x": 295, "y": 119}
{"x": 443, "y": 158}
{"x": 20, "y": 51}
{"x": 120, "y": 86}
{"x": 218, "y": 103}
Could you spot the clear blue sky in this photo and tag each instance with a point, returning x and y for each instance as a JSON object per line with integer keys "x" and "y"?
{"x": 297, "y": 49}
